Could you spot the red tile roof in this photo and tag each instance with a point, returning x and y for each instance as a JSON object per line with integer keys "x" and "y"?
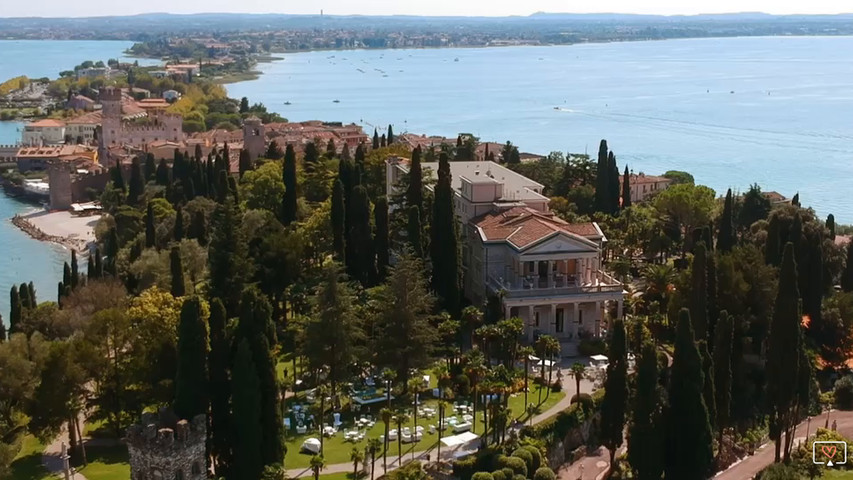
{"x": 48, "y": 122}
{"x": 524, "y": 226}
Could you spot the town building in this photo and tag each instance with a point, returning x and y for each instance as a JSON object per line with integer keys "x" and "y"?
{"x": 645, "y": 186}
{"x": 44, "y": 132}
{"x": 8, "y": 154}
{"x": 80, "y": 102}
{"x": 31, "y": 158}
{"x": 545, "y": 270}
{"x": 776, "y": 198}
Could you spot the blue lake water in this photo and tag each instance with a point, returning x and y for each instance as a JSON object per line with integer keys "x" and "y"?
{"x": 771, "y": 110}
{"x": 46, "y": 58}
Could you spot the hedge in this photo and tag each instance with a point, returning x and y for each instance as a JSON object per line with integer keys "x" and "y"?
{"x": 544, "y": 473}
{"x": 516, "y": 464}
{"x": 526, "y": 456}
{"x": 536, "y": 454}
{"x": 482, "y": 476}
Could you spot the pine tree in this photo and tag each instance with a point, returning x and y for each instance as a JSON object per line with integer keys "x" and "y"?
{"x": 338, "y": 215}
{"x": 415, "y": 192}
{"x": 137, "y": 182}
{"x": 288, "y": 212}
{"x": 414, "y": 232}
{"x": 219, "y": 389}
{"x": 726, "y": 239}
{"x": 179, "y": 224}
{"x": 244, "y": 105}
{"x": 390, "y": 135}
{"x": 602, "y": 184}
{"x": 245, "y": 162}
{"x": 646, "y": 433}
{"x": 613, "y": 188}
{"x": 689, "y": 440}
{"x": 162, "y": 175}
{"x": 444, "y": 242}
{"x": 699, "y": 292}
{"x": 150, "y": 167}
{"x": 381, "y": 239}
{"x": 191, "y": 384}
{"x": 847, "y": 274}
{"x": 615, "y": 400}
{"x": 830, "y": 225}
{"x": 227, "y": 257}
{"x": 375, "y": 139}
{"x": 362, "y": 262}
{"x": 626, "y": 188}
{"x": 723, "y": 339}
{"x": 783, "y": 351}
{"x": 150, "y": 235}
{"x": 248, "y": 461}
{"x": 16, "y": 310}
{"x": 177, "y": 269}
{"x": 708, "y": 392}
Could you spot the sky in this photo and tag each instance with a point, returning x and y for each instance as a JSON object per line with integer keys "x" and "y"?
{"x": 64, "y": 8}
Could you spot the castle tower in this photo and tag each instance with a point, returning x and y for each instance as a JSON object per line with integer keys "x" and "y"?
{"x": 59, "y": 179}
{"x": 163, "y": 448}
{"x": 254, "y": 138}
{"x": 110, "y": 98}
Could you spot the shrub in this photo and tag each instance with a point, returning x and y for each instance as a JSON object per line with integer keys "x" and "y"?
{"x": 544, "y": 473}
{"x": 536, "y": 454}
{"x": 778, "y": 471}
{"x": 464, "y": 468}
{"x": 526, "y": 456}
{"x": 508, "y": 473}
{"x": 482, "y": 476}
{"x": 557, "y": 386}
{"x": 844, "y": 393}
{"x": 591, "y": 346}
{"x": 499, "y": 475}
{"x": 538, "y": 381}
{"x": 462, "y": 384}
{"x": 585, "y": 400}
{"x": 517, "y": 465}
{"x": 519, "y": 477}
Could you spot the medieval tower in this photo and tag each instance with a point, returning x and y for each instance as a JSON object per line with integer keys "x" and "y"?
{"x": 165, "y": 448}
{"x": 254, "y": 138}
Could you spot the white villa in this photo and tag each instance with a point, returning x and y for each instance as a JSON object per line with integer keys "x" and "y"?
{"x": 547, "y": 271}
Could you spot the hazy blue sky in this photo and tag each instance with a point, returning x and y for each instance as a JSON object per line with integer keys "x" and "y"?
{"x": 55, "y": 8}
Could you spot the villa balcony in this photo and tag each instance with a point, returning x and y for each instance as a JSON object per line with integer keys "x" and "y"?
{"x": 554, "y": 285}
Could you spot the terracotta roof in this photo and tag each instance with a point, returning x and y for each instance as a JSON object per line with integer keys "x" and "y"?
{"x": 92, "y": 118}
{"x": 48, "y": 122}
{"x": 523, "y": 226}
{"x": 53, "y": 152}
{"x": 639, "y": 179}
{"x": 774, "y": 196}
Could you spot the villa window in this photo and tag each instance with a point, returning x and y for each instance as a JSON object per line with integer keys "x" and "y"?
{"x": 559, "y": 320}
{"x": 536, "y": 318}
{"x": 580, "y": 317}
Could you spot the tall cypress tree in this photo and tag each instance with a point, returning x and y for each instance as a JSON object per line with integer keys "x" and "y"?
{"x": 773, "y": 243}
{"x": 708, "y": 391}
{"x": 626, "y": 188}
{"x": 31, "y": 291}
{"x": 150, "y": 236}
{"x": 248, "y": 460}
{"x": 375, "y": 139}
{"x": 245, "y": 162}
{"x": 689, "y": 440}
{"x": 713, "y": 308}
{"x": 162, "y": 175}
{"x": 222, "y": 188}
{"x": 218, "y": 361}
{"x": 602, "y": 184}
{"x": 24, "y": 293}
{"x": 699, "y": 292}
{"x": 137, "y": 182}
{"x": 383, "y": 142}
{"x": 830, "y": 225}
{"x": 338, "y": 215}
{"x": 90, "y": 267}
{"x": 613, "y": 188}
{"x": 362, "y": 262}
{"x": 390, "y": 135}
{"x": 381, "y": 239}
{"x": 783, "y": 348}
{"x": 177, "y": 269}
{"x": 331, "y": 149}
{"x": 117, "y": 178}
{"x": 726, "y": 238}
{"x": 15, "y": 311}
{"x": 178, "y": 233}
{"x": 227, "y": 257}
{"x": 615, "y": 401}
{"x": 310, "y": 157}
{"x": 847, "y": 273}
{"x": 112, "y": 248}
{"x": 75, "y": 271}
{"x": 150, "y": 167}
{"x": 444, "y": 242}
{"x": 66, "y": 279}
{"x": 288, "y": 212}
{"x": 415, "y": 192}
{"x": 191, "y": 385}
{"x": 723, "y": 338}
{"x": 646, "y": 432}
{"x": 359, "y": 162}
{"x": 414, "y": 232}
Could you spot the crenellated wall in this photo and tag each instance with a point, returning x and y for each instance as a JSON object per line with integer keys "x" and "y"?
{"x": 163, "y": 447}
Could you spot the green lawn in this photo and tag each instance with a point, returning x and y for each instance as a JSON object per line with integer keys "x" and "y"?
{"x": 336, "y": 450}
{"x": 107, "y": 463}
{"x": 27, "y": 465}
{"x": 838, "y": 474}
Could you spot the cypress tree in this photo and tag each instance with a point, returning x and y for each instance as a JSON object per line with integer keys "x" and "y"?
{"x": 602, "y": 184}
{"x": 444, "y": 244}
{"x": 218, "y": 361}
{"x": 75, "y": 272}
{"x": 198, "y": 228}
{"x": 346, "y": 174}
{"x": 613, "y": 188}
{"x": 626, "y": 188}
{"x": 383, "y": 142}
{"x": 311, "y": 157}
{"x": 222, "y": 187}
{"x": 708, "y": 391}
{"x": 646, "y": 433}
{"x": 60, "y": 293}
{"x": 723, "y": 338}
{"x": 375, "y": 139}
{"x": 713, "y": 308}
{"x": 796, "y": 200}
{"x": 689, "y": 439}
{"x": 117, "y": 178}
{"x": 245, "y": 162}
{"x": 847, "y": 273}
{"x": 15, "y": 310}
{"x": 783, "y": 348}
{"x": 137, "y": 182}
{"x": 90, "y": 267}
{"x": 197, "y": 152}
{"x": 615, "y": 400}
{"x": 830, "y": 225}
{"x": 331, "y": 149}
{"x": 32, "y": 295}
{"x": 2, "y": 330}
{"x": 415, "y": 192}
{"x": 699, "y": 292}
{"x": 179, "y": 224}
{"x": 150, "y": 167}
{"x": 227, "y": 257}
{"x": 273, "y": 151}
{"x": 99, "y": 263}
{"x": 337, "y": 217}
{"x": 226, "y": 157}
{"x": 726, "y": 238}
{"x": 232, "y": 189}
{"x": 413, "y": 232}
{"x": 24, "y": 293}
{"x": 345, "y": 155}
{"x": 772, "y": 250}
{"x": 248, "y": 461}
{"x": 150, "y": 235}
{"x": 288, "y": 212}
{"x": 362, "y": 262}
{"x": 66, "y": 279}
{"x": 390, "y": 135}
{"x": 162, "y": 175}
{"x": 191, "y": 385}
{"x": 381, "y": 239}
{"x": 177, "y": 269}
{"x": 359, "y": 162}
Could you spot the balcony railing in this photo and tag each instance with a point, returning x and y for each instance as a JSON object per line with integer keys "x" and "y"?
{"x": 554, "y": 285}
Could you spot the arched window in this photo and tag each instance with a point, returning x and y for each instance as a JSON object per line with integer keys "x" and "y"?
{"x": 196, "y": 468}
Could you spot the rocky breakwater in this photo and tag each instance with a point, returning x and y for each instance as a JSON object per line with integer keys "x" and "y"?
{"x": 36, "y": 233}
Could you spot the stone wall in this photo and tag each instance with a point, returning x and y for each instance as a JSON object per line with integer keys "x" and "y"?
{"x": 164, "y": 448}
{"x": 566, "y": 450}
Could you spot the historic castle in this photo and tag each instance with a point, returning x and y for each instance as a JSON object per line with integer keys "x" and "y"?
{"x": 165, "y": 448}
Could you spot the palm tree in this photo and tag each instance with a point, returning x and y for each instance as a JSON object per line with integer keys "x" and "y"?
{"x": 472, "y": 317}
{"x": 373, "y": 446}
{"x": 578, "y": 372}
{"x": 387, "y": 415}
{"x": 525, "y": 353}
{"x": 388, "y": 376}
{"x": 356, "y": 456}
{"x": 317, "y": 463}
{"x": 476, "y": 370}
{"x": 659, "y": 279}
{"x": 415, "y": 385}
{"x": 442, "y": 405}
{"x": 400, "y": 418}
{"x": 552, "y": 350}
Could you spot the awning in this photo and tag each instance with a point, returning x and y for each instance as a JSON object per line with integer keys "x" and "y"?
{"x": 599, "y": 358}
{"x": 461, "y": 439}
